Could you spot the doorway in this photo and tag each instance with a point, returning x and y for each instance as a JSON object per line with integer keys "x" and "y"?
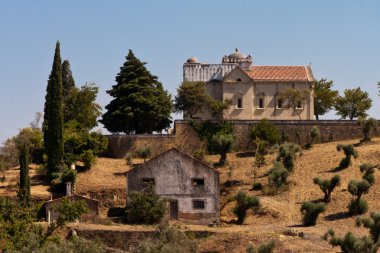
{"x": 173, "y": 209}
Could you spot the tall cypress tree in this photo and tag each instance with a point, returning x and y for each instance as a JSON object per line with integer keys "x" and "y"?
{"x": 68, "y": 82}
{"x": 140, "y": 103}
{"x": 53, "y": 116}
{"x": 24, "y": 189}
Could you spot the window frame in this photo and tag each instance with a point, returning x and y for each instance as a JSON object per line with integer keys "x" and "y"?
{"x": 201, "y": 207}
{"x": 241, "y": 103}
{"x": 194, "y": 182}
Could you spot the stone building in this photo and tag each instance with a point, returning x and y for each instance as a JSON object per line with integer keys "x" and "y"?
{"x": 253, "y": 90}
{"x": 190, "y": 186}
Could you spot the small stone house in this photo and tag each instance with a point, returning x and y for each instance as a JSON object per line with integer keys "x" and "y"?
{"x": 190, "y": 186}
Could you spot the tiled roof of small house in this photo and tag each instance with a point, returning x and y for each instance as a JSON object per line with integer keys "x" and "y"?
{"x": 281, "y": 73}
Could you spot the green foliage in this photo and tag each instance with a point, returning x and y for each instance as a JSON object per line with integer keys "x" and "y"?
{"x": 355, "y": 103}
{"x": 129, "y": 159}
{"x": 217, "y": 107}
{"x": 310, "y": 212}
{"x": 257, "y": 186}
{"x": 349, "y": 151}
{"x": 278, "y": 176}
{"x": 145, "y": 207}
{"x": 88, "y": 159}
{"x": 357, "y": 188}
{"x": 74, "y": 244}
{"x": 200, "y": 154}
{"x": 315, "y": 136}
{"x": 352, "y": 244}
{"x": 168, "y": 239}
{"x": 368, "y": 171}
{"x": 243, "y": 203}
{"x": 324, "y": 97}
{"x": 368, "y": 125}
{"x": 288, "y": 154}
{"x": 221, "y": 144}
{"x": 292, "y": 98}
{"x": 24, "y": 186}
{"x": 372, "y": 223}
{"x": 80, "y": 106}
{"x": 53, "y": 116}
{"x": 260, "y": 153}
{"x": 266, "y": 131}
{"x": 267, "y": 247}
{"x": 68, "y": 82}
{"x": 327, "y": 186}
{"x": 144, "y": 152}
{"x": 140, "y": 103}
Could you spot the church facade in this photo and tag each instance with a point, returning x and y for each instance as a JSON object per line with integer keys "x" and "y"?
{"x": 254, "y": 91}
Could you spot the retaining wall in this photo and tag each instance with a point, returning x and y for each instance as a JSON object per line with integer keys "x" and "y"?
{"x": 186, "y": 139}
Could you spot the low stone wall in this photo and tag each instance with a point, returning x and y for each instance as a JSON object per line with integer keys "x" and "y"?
{"x": 186, "y": 139}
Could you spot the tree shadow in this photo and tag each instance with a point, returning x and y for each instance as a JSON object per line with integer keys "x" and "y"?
{"x": 337, "y": 216}
{"x": 245, "y": 154}
{"x": 334, "y": 170}
{"x": 118, "y": 174}
{"x": 296, "y": 226}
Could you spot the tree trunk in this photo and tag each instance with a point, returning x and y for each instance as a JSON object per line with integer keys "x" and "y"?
{"x": 316, "y": 116}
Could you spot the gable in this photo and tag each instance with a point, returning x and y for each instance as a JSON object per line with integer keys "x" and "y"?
{"x": 237, "y": 75}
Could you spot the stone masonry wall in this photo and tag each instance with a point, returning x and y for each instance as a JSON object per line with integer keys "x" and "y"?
{"x": 186, "y": 139}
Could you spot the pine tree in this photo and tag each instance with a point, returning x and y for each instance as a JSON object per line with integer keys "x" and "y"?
{"x": 24, "y": 187}
{"x": 53, "y": 116}
{"x": 140, "y": 103}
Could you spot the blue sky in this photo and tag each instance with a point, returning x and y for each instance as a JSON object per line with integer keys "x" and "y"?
{"x": 340, "y": 38}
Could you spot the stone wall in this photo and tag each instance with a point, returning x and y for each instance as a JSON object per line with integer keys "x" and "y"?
{"x": 186, "y": 139}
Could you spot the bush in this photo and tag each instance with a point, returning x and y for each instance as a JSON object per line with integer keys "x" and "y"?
{"x": 327, "y": 186}
{"x": 278, "y": 176}
{"x": 267, "y": 247}
{"x": 129, "y": 159}
{"x": 200, "y": 154}
{"x": 368, "y": 171}
{"x": 352, "y": 244}
{"x": 287, "y": 155}
{"x": 349, "y": 151}
{"x": 372, "y": 223}
{"x": 167, "y": 239}
{"x": 358, "y": 207}
{"x": 221, "y": 144}
{"x": 243, "y": 203}
{"x": 144, "y": 152}
{"x": 145, "y": 207}
{"x": 88, "y": 159}
{"x": 315, "y": 135}
{"x": 368, "y": 125}
{"x": 260, "y": 152}
{"x": 310, "y": 212}
{"x": 266, "y": 131}
{"x": 257, "y": 186}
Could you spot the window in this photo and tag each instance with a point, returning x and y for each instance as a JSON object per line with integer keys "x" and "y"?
{"x": 239, "y": 79}
{"x": 299, "y": 105}
{"x": 239, "y": 103}
{"x": 198, "y": 204}
{"x": 197, "y": 182}
{"x": 148, "y": 182}
{"x": 261, "y": 103}
{"x": 279, "y": 103}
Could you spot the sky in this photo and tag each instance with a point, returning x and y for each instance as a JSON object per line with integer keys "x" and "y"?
{"x": 340, "y": 39}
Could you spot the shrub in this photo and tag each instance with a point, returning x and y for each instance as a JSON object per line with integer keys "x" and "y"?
{"x": 266, "y": 131}
{"x": 287, "y": 155}
{"x": 358, "y": 188}
{"x": 243, "y": 203}
{"x": 368, "y": 125}
{"x": 257, "y": 186}
{"x": 284, "y": 136}
{"x": 144, "y": 152}
{"x": 352, "y": 244}
{"x": 327, "y": 186}
{"x": 310, "y": 212}
{"x": 221, "y": 144}
{"x": 278, "y": 176}
{"x": 260, "y": 152}
{"x": 145, "y": 207}
{"x": 129, "y": 159}
{"x": 368, "y": 171}
{"x": 88, "y": 159}
{"x": 200, "y": 154}
{"x": 315, "y": 135}
{"x": 372, "y": 223}
{"x": 267, "y": 247}
{"x": 167, "y": 239}
{"x": 358, "y": 206}
{"x": 349, "y": 151}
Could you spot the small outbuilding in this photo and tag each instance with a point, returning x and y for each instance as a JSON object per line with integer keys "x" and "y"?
{"x": 190, "y": 186}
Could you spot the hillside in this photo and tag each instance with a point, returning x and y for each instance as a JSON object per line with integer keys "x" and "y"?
{"x": 106, "y": 181}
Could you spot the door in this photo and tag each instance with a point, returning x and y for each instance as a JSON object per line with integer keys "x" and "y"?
{"x": 173, "y": 209}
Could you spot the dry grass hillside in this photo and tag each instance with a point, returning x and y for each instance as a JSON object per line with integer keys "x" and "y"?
{"x": 280, "y": 213}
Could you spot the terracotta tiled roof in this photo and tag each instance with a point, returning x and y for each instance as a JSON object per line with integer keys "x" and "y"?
{"x": 280, "y": 73}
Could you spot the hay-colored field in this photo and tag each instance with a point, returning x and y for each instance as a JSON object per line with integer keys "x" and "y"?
{"x": 279, "y": 212}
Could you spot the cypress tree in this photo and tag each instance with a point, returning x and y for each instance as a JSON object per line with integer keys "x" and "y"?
{"x": 53, "y": 116}
{"x": 24, "y": 188}
{"x": 68, "y": 82}
{"x": 140, "y": 103}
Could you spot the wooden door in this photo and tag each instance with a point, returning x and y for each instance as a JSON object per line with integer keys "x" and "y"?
{"x": 174, "y": 209}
